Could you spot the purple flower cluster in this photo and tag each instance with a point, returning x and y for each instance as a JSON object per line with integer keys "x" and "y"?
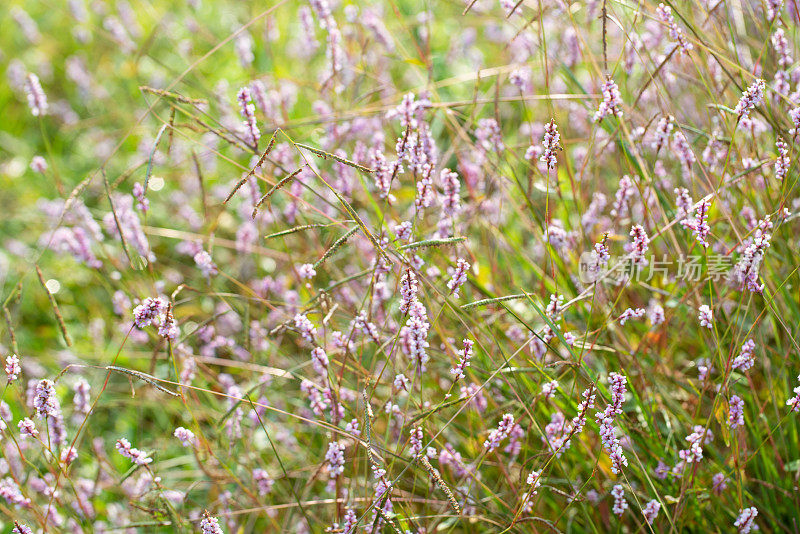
{"x": 384, "y": 173}
{"x": 551, "y": 144}
{"x": 12, "y": 367}
{"x": 408, "y": 290}
{"x": 305, "y": 327}
{"x": 138, "y": 193}
{"x": 655, "y": 312}
{"x": 683, "y": 151}
{"x": 248, "y": 111}
{"x": 784, "y": 52}
{"x": 559, "y": 432}
{"x": 350, "y": 521}
{"x": 630, "y": 313}
{"x": 318, "y": 402}
{"x": 736, "y": 412}
{"x": 624, "y": 193}
{"x": 263, "y": 481}
{"x": 9, "y": 490}
{"x": 361, "y": 324}
{"x": 168, "y": 329}
{"x": 640, "y": 245}
{"x": 534, "y": 480}
{"x": 306, "y": 271}
{"x": 549, "y": 389}
{"x": 606, "y": 421}
{"x": 746, "y": 520}
{"x": 335, "y": 459}
{"x": 752, "y": 97}
{"x": 210, "y": 525}
{"x": 497, "y": 435}
{"x": 206, "y": 265}
{"x": 459, "y": 276}
{"x": 81, "y": 399}
{"x": 696, "y": 440}
{"x": 794, "y": 116}
{"x": 38, "y": 164}
{"x": 675, "y": 33}
{"x": 149, "y": 311}
{"x": 414, "y": 334}
{"x": 125, "y": 219}
{"x": 45, "y": 402}
{"x": 489, "y": 135}
{"x": 135, "y": 455}
{"x": 719, "y": 483}
{"x": 745, "y": 273}
{"x": 27, "y": 427}
{"x": 620, "y": 503}
{"x": 415, "y": 441}
{"x": 37, "y": 100}
{"x": 612, "y": 101}
{"x": 783, "y": 162}
{"x": 651, "y": 510}
{"x": 706, "y": 316}
{"x": 156, "y": 311}
{"x": 699, "y": 223}
{"x": 745, "y": 359}
{"x": 185, "y": 436}
{"x": 463, "y": 361}
{"x": 773, "y": 10}
{"x": 599, "y": 257}
{"x": 663, "y": 130}
{"x": 451, "y": 189}
{"x": 683, "y": 201}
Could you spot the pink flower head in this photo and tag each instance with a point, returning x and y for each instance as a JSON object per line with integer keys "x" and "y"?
{"x": 746, "y": 359}
{"x": 746, "y": 520}
{"x": 306, "y": 271}
{"x": 27, "y": 428}
{"x": 148, "y": 311}
{"x": 37, "y": 100}
{"x": 500, "y": 433}
{"x": 459, "y": 276}
{"x": 630, "y": 313}
{"x": 135, "y": 455}
{"x": 12, "y": 367}
{"x": 651, "y": 510}
{"x": 463, "y": 362}
{"x": 736, "y": 414}
{"x": 210, "y": 525}
{"x": 706, "y": 316}
{"x": 675, "y": 33}
{"x": 185, "y": 436}
{"x": 611, "y": 103}
{"x": 752, "y": 97}
{"x": 45, "y": 401}
{"x": 620, "y": 504}
{"x": 305, "y": 327}
{"x": 640, "y": 245}
{"x": 551, "y": 146}
{"x": 335, "y": 459}
{"x": 249, "y": 126}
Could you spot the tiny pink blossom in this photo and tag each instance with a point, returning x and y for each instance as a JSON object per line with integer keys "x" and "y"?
{"x": 12, "y": 367}
{"x": 706, "y": 316}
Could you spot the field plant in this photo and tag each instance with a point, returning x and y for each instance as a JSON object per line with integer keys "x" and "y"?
{"x": 399, "y": 266}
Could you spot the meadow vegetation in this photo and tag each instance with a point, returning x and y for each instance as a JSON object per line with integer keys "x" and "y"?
{"x": 399, "y": 266}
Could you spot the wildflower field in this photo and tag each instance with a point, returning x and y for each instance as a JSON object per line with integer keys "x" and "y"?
{"x": 400, "y": 266}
